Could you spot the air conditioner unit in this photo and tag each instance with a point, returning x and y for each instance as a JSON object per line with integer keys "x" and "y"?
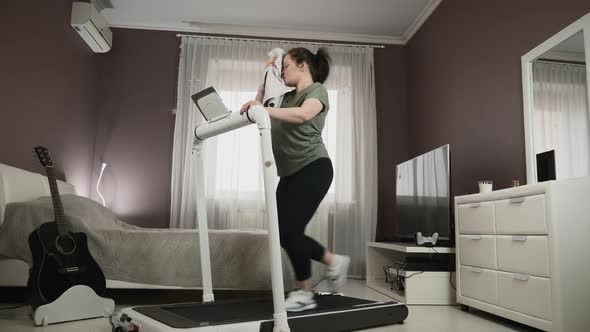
{"x": 91, "y": 26}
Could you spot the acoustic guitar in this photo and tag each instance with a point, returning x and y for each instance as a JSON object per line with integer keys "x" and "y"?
{"x": 61, "y": 258}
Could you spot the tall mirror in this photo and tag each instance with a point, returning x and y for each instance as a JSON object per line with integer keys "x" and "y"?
{"x": 556, "y": 105}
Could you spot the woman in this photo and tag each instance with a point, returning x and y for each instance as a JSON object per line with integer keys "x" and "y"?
{"x": 304, "y": 168}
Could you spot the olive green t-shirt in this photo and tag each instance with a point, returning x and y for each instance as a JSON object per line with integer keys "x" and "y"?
{"x": 296, "y": 145}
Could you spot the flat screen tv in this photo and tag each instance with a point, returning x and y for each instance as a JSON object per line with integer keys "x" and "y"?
{"x": 423, "y": 198}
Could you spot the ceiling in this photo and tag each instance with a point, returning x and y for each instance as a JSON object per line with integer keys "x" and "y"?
{"x": 571, "y": 49}
{"x": 573, "y": 44}
{"x": 366, "y": 21}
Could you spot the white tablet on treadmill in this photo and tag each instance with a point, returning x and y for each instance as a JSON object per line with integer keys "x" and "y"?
{"x": 210, "y": 104}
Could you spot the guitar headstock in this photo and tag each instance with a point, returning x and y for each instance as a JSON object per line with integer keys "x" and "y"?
{"x": 43, "y": 155}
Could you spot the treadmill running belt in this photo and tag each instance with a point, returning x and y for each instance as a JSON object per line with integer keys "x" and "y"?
{"x": 188, "y": 315}
{"x": 224, "y": 312}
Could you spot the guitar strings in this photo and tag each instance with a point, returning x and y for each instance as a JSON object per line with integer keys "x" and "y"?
{"x": 58, "y": 211}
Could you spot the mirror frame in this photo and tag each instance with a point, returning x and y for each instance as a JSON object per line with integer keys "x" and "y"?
{"x": 582, "y": 24}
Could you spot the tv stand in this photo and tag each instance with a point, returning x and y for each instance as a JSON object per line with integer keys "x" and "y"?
{"x": 420, "y": 287}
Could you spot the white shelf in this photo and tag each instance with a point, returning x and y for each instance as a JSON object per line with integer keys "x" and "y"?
{"x": 410, "y": 248}
{"x": 383, "y": 288}
{"x": 428, "y": 287}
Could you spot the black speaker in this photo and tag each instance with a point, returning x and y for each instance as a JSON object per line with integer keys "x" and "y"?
{"x": 546, "y": 166}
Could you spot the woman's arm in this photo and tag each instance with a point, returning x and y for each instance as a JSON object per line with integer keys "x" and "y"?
{"x": 260, "y": 94}
{"x": 297, "y": 115}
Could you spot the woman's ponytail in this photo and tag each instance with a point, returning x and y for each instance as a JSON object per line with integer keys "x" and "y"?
{"x": 322, "y": 65}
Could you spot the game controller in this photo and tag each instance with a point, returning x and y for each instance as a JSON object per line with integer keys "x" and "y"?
{"x": 426, "y": 241}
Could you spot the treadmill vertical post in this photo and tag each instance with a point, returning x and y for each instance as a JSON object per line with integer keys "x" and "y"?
{"x": 262, "y": 118}
{"x": 203, "y": 131}
{"x": 201, "y": 214}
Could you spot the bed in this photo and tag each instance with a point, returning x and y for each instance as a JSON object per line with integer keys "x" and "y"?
{"x": 239, "y": 257}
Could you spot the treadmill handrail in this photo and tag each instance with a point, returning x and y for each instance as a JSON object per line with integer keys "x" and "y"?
{"x": 256, "y": 114}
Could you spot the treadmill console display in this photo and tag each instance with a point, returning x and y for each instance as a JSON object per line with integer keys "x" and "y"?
{"x": 210, "y": 104}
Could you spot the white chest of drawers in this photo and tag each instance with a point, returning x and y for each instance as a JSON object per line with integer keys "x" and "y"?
{"x": 524, "y": 253}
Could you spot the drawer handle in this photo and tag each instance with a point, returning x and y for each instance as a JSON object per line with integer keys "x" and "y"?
{"x": 476, "y": 205}
{"x": 517, "y": 200}
{"x": 521, "y": 277}
{"x": 519, "y": 238}
{"x": 476, "y": 271}
{"x": 476, "y": 237}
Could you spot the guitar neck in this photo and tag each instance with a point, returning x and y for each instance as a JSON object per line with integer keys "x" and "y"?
{"x": 57, "y": 205}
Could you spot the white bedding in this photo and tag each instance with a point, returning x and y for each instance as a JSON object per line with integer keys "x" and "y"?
{"x": 152, "y": 256}
{"x": 127, "y": 253}
{"x": 17, "y": 185}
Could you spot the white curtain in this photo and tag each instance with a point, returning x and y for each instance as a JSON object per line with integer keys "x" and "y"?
{"x": 561, "y": 116}
{"x": 426, "y": 175}
{"x": 347, "y": 217}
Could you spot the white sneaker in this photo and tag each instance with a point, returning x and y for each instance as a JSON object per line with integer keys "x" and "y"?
{"x": 300, "y": 300}
{"x": 338, "y": 272}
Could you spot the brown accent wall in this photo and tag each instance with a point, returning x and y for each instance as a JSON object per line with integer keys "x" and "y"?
{"x": 457, "y": 81}
{"x": 137, "y": 87}
{"x": 392, "y": 129}
{"x": 135, "y": 127}
{"x": 48, "y": 86}
{"x": 115, "y": 107}
{"x": 464, "y": 83}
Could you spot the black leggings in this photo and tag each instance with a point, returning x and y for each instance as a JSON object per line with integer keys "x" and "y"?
{"x": 298, "y": 197}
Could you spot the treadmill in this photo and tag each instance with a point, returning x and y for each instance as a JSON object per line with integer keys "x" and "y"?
{"x": 334, "y": 312}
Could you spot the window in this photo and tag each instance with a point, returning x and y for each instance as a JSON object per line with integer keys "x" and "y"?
{"x": 238, "y": 159}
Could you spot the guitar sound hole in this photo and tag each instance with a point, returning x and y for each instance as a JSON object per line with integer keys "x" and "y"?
{"x": 65, "y": 244}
